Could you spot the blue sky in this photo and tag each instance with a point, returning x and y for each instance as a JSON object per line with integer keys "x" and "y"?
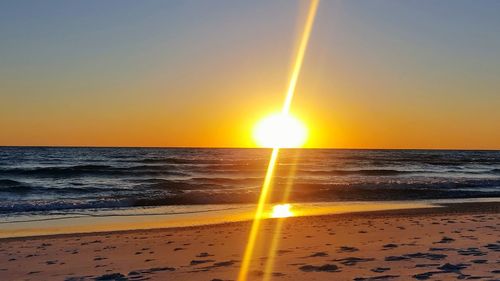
{"x": 377, "y": 73}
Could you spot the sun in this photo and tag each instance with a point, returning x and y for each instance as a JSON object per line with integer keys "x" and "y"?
{"x": 280, "y": 131}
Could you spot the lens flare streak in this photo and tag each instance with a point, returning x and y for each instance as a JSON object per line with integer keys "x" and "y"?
{"x": 300, "y": 55}
{"x": 245, "y": 264}
{"x": 247, "y": 257}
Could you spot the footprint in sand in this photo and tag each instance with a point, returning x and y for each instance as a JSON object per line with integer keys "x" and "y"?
{"x": 350, "y": 261}
{"x": 347, "y": 249}
{"x": 318, "y": 254}
{"x": 204, "y": 255}
{"x": 389, "y": 246}
{"x": 445, "y": 240}
{"x": 196, "y": 262}
{"x": 376, "y": 278}
{"x": 380, "y": 269}
{"x": 321, "y": 268}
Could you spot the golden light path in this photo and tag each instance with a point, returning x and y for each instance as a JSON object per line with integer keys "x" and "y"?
{"x": 247, "y": 257}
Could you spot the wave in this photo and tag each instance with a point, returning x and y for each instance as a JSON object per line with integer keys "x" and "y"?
{"x": 16, "y": 187}
{"x": 284, "y": 170}
{"x": 175, "y": 161}
{"x": 230, "y": 181}
{"x": 182, "y": 186}
{"x": 62, "y": 178}
{"x": 7, "y": 185}
{"x": 361, "y": 172}
{"x": 164, "y": 192}
{"x": 187, "y": 161}
{"x": 88, "y": 170}
{"x": 320, "y": 195}
{"x": 40, "y": 205}
{"x": 235, "y": 169}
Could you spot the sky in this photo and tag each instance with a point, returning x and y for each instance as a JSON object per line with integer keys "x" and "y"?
{"x": 377, "y": 73}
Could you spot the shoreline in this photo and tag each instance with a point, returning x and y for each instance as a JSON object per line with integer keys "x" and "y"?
{"x": 436, "y": 210}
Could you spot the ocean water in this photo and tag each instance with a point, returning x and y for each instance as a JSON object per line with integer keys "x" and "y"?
{"x": 38, "y": 179}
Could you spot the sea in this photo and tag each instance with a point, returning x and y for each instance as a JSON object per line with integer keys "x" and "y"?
{"x": 44, "y": 179}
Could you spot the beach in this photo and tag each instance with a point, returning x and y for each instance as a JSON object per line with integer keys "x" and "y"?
{"x": 249, "y": 140}
{"x": 453, "y": 241}
{"x": 186, "y": 214}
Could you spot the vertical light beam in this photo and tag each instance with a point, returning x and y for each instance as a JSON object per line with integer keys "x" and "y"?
{"x": 247, "y": 257}
{"x": 275, "y": 241}
{"x": 300, "y": 55}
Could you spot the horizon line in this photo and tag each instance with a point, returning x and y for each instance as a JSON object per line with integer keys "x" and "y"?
{"x": 246, "y": 147}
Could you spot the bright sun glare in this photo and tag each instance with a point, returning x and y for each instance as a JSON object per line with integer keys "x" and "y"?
{"x": 282, "y": 211}
{"x": 280, "y": 131}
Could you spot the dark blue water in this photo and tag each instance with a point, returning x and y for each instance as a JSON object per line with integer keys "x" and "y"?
{"x": 35, "y": 179}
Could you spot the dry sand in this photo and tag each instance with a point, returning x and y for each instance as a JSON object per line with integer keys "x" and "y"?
{"x": 460, "y": 241}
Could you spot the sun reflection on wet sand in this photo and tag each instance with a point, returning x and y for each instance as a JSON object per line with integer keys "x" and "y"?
{"x": 169, "y": 217}
{"x": 282, "y": 211}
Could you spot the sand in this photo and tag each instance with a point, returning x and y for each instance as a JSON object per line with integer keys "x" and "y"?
{"x": 459, "y": 241}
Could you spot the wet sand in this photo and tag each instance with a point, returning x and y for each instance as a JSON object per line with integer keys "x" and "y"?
{"x": 459, "y": 241}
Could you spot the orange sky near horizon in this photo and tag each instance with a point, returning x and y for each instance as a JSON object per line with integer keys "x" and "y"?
{"x": 203, "y": 75}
